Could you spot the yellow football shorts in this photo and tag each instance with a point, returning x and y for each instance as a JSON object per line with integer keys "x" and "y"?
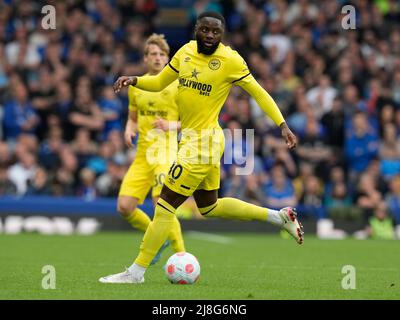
{"x": 142, "y": 176}
{"x": 197, "y": 166}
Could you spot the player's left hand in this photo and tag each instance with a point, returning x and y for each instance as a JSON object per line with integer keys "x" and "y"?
{"x": 161, "y": 124}
{"x": 288, "y": 135}
{"x": 123, "y": 81}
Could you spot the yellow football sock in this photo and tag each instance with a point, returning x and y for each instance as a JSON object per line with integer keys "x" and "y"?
{"x": 138, "y": 219}
{"x": 175, "y": 237}
{"x": 231, "y": 208}
{"x": 157, "y": 232}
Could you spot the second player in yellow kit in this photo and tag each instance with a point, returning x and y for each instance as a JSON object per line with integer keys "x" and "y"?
{"x": 149, "y": 169}
{"x": 153, "y": 116}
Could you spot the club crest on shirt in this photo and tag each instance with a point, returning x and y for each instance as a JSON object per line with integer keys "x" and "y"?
{"x": 214, "y": 64}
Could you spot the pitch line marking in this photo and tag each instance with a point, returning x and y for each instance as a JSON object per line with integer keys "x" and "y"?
{"x": 211, "y": 237}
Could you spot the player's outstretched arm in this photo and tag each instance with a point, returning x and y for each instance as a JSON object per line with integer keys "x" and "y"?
{"x": 269, "y": 106}
{"x": 147, "y": 83}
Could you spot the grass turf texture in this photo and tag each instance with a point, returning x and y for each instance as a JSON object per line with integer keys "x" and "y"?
{"x": 251, "y": 266}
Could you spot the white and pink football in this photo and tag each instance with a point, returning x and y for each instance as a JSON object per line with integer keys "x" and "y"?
{"x": 182, "y": 268}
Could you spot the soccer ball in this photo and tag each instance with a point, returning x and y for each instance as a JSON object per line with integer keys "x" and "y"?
{"x": 182, "y": 268}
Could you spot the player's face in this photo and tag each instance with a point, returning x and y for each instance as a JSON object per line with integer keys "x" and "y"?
{"x": 155, "y": 59}
{"x": 209, "y": 32}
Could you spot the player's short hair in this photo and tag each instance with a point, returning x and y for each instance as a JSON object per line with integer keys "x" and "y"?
{"x": 159, "y": 40}
{"x": 212, "y": 14}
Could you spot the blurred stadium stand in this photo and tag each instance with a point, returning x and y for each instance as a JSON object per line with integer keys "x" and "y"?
{"x": 338, "y": 89}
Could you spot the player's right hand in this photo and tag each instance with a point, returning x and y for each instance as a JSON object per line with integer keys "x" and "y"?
{"x": 121, "y": 82}
{"x": 129, "y": 136}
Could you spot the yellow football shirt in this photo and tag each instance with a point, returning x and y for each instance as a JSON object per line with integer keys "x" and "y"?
{"x": 204, "y": 84}
{"x": 150, "y": 106}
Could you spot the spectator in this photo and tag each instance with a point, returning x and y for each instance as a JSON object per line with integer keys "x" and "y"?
{"x": 333, "y": 121}
{"x": 7, "y": 187}
{"x": 312, "y": 147}
{"x": 86, "y": 114}
{"x": 351, "y": 101}
{"x": 389, "y": 152}
{"x": 298, "y": 119}
{"x": 311, "y": 199}
{"x": 5, "y": 155}
{"x": 19, "y": 115}
{"x": 43, "y": 99}
{"x": 24, "y": 170}
{"x": 83, "y": 146}
{"x": 321, "y": 97}
{"x": 250, "y": 192}
{"x": 98, "y": 163}
{"x": 367, "y": 197}
{"x": 50, "y": 148}
{"x": 336, "y": 176}
{"x": 233, "y": 183}
{"x": 338, "y": 197}
{"x": 306, "y": 170}
{"x": 3, "y": 72}
{"x": 276, "y": 42}
{"x": 109, "y": 182}
{"x": 279, "y": 191}
{"x": 386, "y": 117}
{"x": 111, "y": 109}
{"x": 65, "y": 180}
{"x": 87, "y": 188}
{"x": 39, "y": 184}
{"x": 374, "y": 170}
{"x": 380, "y": 225}
{"x": 361, "y": 146}
{"x": 21, "y": 53}
{"x": 63, "y": 106}
{"x": 393, "y": 199}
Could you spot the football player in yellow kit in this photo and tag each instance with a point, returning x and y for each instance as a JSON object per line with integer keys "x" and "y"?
{"x": 153, "y": 116}
{"x": 206, "y": 70}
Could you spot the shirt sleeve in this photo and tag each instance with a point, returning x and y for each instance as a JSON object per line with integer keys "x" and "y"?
{"x": 131, "y": 99}
{"x": 238, "y": 69}
{"x": 174, "y": 64}
{"x": 158, "y": 82}
{"x": 263, "y": 99}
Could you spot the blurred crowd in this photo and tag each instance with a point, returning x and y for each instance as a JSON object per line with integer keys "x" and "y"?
{"x": 339, "y": 90}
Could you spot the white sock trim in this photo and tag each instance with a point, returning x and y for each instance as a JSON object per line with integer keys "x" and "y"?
{"x": 137, "y": 271}
{"x": 274, "y": 218}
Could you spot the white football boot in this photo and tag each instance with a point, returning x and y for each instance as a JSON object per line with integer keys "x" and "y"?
{"x": 291, "y": 224}
{"x": 122, "y": 277}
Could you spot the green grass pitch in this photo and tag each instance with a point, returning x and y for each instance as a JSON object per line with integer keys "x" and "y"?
{"x": 234, "y": 266}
